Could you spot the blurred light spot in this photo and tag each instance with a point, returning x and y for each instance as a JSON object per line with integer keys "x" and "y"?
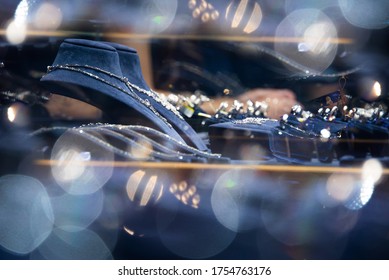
{"x": 192, "y": 4}
{"x": 340, "y": 186}
{"x": 251, "y": 152}
{"x": 26, "y": 215}
{"x": 365, "y": 13}
{"x": 18, "y": 114}
{"x": 133, "y": 183}
{"x": 11, "y": 114}
{"x": 142, "y": 187}
{"x": 205, "y": 17}
{"x": 372, "y": 171}
{"x": 22, "y": 11}
{"x": 291, "y": 5}
{"x": 73, "y": 170}
{"x": 190, "y": 234}
{"x": 182, "y": 186}
{"x": 187, "y": 196}
{"x": 192, "y": 190}
{"x": 235, "y": 198}
{"x": 376, "y": 91}
{"x": 238, "y": 13}
{"x": 16, "y": 32}
{"x": 142, "y": 150}
{"x": 48, "y": 16}
{"x": 78, "y": 245}
{"x": 70, "y": 165}
{"x": 196, "y": 13}
{"x": 317, "y": 38}
{"x": 246, "y": 13}
{"x": 130, "y": 232}
{"x": 325, "y": 133}
{"x": 204, "y": 10}
{"x": 77, "y": 212}
{"x": 303, "y": 47}
{"x": 148, "y": 191}
{"x": 215, "y": 15}
{"x": 155, "y": 16}
{"x": 173, "y": 188}
{"x": 314, "y": 39}
{"x": 361, "y": 196}
{"x": 370, "y": 88}
{"x": 255, "y": 20}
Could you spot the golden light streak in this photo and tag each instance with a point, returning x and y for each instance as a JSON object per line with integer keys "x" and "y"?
{"x": 128, "y": 36}
{"x": 186, "y": 166}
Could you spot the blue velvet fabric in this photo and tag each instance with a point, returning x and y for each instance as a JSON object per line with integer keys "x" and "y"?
{"x": 98, "y": 93}
{"x": 131, "y": 69}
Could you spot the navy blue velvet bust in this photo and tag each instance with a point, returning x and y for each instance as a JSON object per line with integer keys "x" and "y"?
{"x": 102, "y": 89}
{"x": 131, "y": 69}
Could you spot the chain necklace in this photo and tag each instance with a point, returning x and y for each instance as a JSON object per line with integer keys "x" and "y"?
{"x": 192, "y": 152}
{"x": 150, "y": 93}
{"x": 259, "y": 121}
{"x": 131, "y": 133}
{"x": 75, "y": 68}
{"x": 131, "y": 142}
{"x": 156, "y": 96}
{"x": 181, "y": 144}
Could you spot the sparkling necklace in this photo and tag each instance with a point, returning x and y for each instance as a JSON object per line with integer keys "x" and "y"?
{"x": 192, "y": 152}
{"x": 76, "y": 68}
{"x": 179, "y": 143}
{"x": 148, "y": 151}
{"x": 150, "y": 93}
{"x": 258, "y": 121}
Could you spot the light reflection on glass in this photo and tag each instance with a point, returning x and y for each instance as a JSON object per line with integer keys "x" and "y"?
{"x": 248, "y": 12}
{"x": 73, "y": 169}
{"x": 372, "y": 171}
{"x": 376, "y": 89}
{"x": 16, "y": 32}
{"x": 236, "y": 199}
{"x": 340, "y": 186}
{"x": 77, "y": 212}
{"x": 370, "y": 88}
{"x": 48, "y": 16}
{"x": 291, "y": 5}
{"x": 78, "y": 245}
{"x": 11, "y": 114}
{"x": 365, "y": 13}
{"x": 26, "y": 215}
{"x": 318, "y": 45}
{"x": 361, "y": 196}
{"x": 18, "y": 114}
{"x": 187, "y": 195}
{"x": 144, "y": 187}
{"x": 154, "y": 16}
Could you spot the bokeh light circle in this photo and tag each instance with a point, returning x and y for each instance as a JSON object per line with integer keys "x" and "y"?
{"x": 73, "y": 168}
{"x": 307, "y": 37}
{"x": 77, "y": 212}
{"x": 155, "y": 16}
{"x": 79, "y": 245}
{"x": 366, "y": 14}
{"x": 236, "y": 199}
{"x": 26, "y": 214}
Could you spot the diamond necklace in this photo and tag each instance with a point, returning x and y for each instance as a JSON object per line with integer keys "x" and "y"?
{"x": 150, "y": 93}
{"x": 75, "y": 68}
